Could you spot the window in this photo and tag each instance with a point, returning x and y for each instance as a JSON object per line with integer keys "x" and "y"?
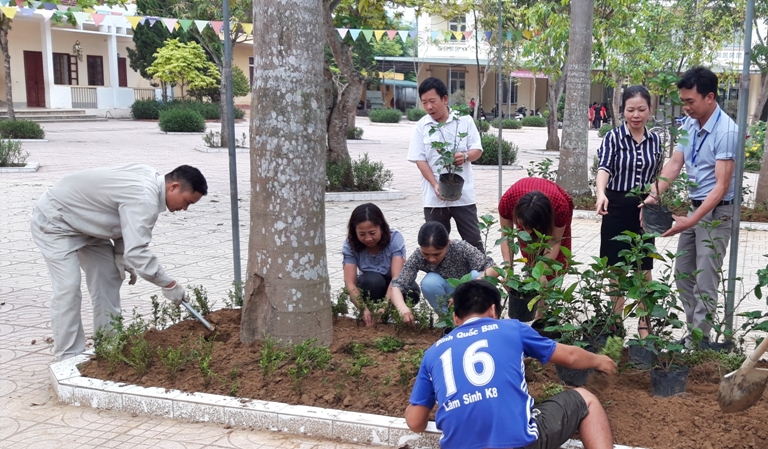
{"x": 250, "y": 68}
{"x": 95, "y": 70}
{"x": 507, "y": 83}
{"x": 458, "y": 24}
{"x": 64, "y": 69}
{"x": 458, "y": 81}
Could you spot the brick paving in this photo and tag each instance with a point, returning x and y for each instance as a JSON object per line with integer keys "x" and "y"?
{"x": 196, "y": 248}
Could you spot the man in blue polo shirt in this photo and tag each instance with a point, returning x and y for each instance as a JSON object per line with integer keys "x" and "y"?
{"x": 708, "y": 153}
{"x": 476, "y": 375}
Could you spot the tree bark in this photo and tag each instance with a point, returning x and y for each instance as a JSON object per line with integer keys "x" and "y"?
{"x": 554, "y": 91}
{"x": 223, "y": 103}
{"x": 347, "y": 101}
{"x": 762, "y": 99}
{"x": 287, "y": 290}
{"x": 5, "y": 26}
{"x": 616, "y": 101}
{"x": 573, "y": 172}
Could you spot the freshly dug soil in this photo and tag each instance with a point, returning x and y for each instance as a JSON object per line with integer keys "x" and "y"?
{"x": 692, "y": 420}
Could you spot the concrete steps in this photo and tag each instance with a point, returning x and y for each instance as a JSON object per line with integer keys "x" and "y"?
{"x": 53, "y": 115}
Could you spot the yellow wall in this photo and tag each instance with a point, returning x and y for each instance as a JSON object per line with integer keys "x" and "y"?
{"x": 24, "y": 35}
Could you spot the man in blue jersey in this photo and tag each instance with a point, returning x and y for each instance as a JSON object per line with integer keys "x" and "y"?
{"x": 476, "y": 375}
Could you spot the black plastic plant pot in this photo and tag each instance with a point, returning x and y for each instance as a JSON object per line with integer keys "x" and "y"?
{"x": 450, "y": 186}
{"x": 669, "y": 383}
{"x": 726, "y": 346}
{"x": 573, "y": 377}
{"x": 641, "y": 358}
{"x": 656, "y": 218}
{"x": 518, "y": 306}
{"x": 447, "y": 330}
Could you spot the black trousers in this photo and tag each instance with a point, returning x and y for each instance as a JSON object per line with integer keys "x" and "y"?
{"x": 375, "y": 286}
{"x": 465, "y": 218}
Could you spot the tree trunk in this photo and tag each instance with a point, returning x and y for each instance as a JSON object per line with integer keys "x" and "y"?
{"x": 573, "y": 172}
{"x": 761, "y": 194}
{"x": 479, "y": 102}
{"x": 223, "y": 105}
{"x": 347, "y": 101}
{"x": 554, "y": 91}
{"x": 5, "y": 26}
{"x": 616, "y": 101}
{"x": 762, "y": 99}
{"x": 287, "y": 292}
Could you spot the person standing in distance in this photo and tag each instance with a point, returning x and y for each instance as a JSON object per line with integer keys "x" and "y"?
{"x": 708, "y": 153}
{"x": 476, "y": 376}
{"x": 101, "y": 220}
{"x": 434, "y": 100}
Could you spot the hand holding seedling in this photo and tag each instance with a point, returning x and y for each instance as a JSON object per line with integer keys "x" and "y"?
{"x": 680, "y": 225}
{"x": 459, "y": 158}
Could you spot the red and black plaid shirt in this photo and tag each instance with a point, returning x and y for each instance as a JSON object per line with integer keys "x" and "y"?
{"x": 562, "y": 205}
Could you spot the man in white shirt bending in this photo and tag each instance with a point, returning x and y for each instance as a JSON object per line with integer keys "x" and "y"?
{"x": 101, "y": 220}
{"x": 434, "y": 100}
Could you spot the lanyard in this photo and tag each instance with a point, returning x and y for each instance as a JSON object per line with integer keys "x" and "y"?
{"x": 703, "y": 139}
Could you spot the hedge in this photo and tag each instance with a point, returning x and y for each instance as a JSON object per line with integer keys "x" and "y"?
{"x": 151, "y": 109}
{"x": 604, "y": 130}
{"x": 182, "y": 120}
{"x": 482, "y": 126}
{"x": 354, "y": 133}
{"x": 385, "y": 115}
{"x": 491, "y": 152}
{"x": 415, "y": 114}
{"x": 21, "y": 129}
{"x": 535, "y": 121}
{"x": 507, "y": 124}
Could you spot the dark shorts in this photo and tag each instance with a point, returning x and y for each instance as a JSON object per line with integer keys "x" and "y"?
{"x": 558, "y": 418}
{"x": 623, "y": 215}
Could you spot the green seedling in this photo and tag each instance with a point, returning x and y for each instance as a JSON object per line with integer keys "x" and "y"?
{"x": 234, "y": 297}
{"x": 341, "y": 307}
{"x": 388, "y": 344}
{"x": 271, "y": 356}
{"x": 199, "y": 301}
{"x": 204, "y": 355}
{"x": 359, "y": 359}
{"x": 164, "y": 314}
{"x": 614, "y": 347}
{"x": 139, "y": 355}
{"x": 109, "y": 343}
{"x": 308, "y": 356}
{"x": 173, "y": 359}
{"x": 550, "y": 389}
{"x": 408, "y": 366}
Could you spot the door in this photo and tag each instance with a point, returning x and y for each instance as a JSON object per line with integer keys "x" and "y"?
{"x": 33, "y": 74}
{"x": 122, "y": 73}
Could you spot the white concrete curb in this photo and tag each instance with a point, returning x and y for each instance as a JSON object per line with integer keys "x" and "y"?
{"x": 746, "y": 225}
{"x": 31, "y": 167}
{"x": 73, "y": 389}
{"x": 391, "y": 124}
{"x": 362, "y": 141}
{"x": 205, "y": 149}
{"x": 28, "y": 140}
{"x": 496, "y": 167}
{"x": 384, "y": 195}
{"x": 181, "y": 134}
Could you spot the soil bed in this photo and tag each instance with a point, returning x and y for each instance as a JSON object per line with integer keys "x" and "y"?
{"x": 362, "y": 378}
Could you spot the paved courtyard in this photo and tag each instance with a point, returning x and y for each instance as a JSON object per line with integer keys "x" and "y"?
{"x": 196, "y": 248}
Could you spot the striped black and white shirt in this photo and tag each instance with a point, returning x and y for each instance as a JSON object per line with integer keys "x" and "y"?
{"x": 629, "y": 164}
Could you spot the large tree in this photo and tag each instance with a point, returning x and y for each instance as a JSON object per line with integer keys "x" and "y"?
{"x": 287, "y": 290}
{"x": 5, "y": 28}
{"x": 572, "y": 173}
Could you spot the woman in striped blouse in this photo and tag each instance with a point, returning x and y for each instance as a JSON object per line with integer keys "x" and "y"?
{"x": 629, "y": 157}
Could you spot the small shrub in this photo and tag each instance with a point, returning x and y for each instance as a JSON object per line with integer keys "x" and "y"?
{"x": 147, "y": 109}
{"x": 337, "y": 174}
{"x": 21, "y": 129}
{"x": 550, "y": 389}
{"x": 234, "y": 297}
{"x": 181, "y": 120}
{"x": 271, "y": 356}
{"x": 340, "y": 307}
{"x": 359, "y": 359}
{"x": 388, "y": 344}
{"x": 408, "y": 366}
{"x": 370, "y": 176}
{"x": 506, "y": 124}
{"x": 354, "y": 133}
{"x": 415, "y": 114}
{"x": 204, "y": 355}
{"x": 139, "y": 355}
{"x": 604, "y": 130}
{"x": 385, "y": 115}
{"x": 11, "y": 154}
{"x": 173, "y": 359}
{"x": 165, "y": 313}
{"x": 535, "y": 121}
{"x": 491, "y": 152}
{"x": 482, "y": 126}
{"x": 239, "y": 113}
{"x": 199, "y": 300}
{"x": 308, "y": 356}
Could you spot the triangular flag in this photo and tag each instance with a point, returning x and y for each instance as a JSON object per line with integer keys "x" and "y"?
{"x": 434, "y": 35}
{"x": 49, "y": 6}
{"x": 447, "y": 35}
{"x": 379, "y": 34}
{"x": 527, "y": 34}
{"x": 248, "y": 28}
{"x": 403, "y": 35}
{"x": 45, "y": 13}
{"x": 81, "y": 17}
{"x": 391, "y": 34}
{"x": 367, "y": 34}
{"x": 35, "y": 4}
{"x": 27, "y": 11}
{"x": 467, "y": 35}
{"x": 170, "y": 24}
{"x": 117, "y": 13}
{"x": 354, "y": 33}
{"x": 488, "y": 35}
{"x": 185, "y": 23}
{"x": 509, "y": 35}
{"x": 20, "y": 3}
{"x": 63, "y": 8}
{"x": 134, "y": 20}
{"x": 413, "y": 34}
{"x": 89, "y": 10}
{"x": 342, "y": 32}
{"x": 9, "y": 11}
{"x": 458, "y": 35}
{"x": 201, "y": 24}
{"x": 216, "y": 25}
{"x": 98, "y": 18}
{"x": 152, "y": 20}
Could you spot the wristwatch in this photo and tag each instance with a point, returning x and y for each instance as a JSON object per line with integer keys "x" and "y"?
{"x": 466, "y": 156}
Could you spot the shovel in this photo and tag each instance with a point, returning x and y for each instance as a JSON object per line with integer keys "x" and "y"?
{"x": 742, "y": 388}
{"x": 199, "y": 317}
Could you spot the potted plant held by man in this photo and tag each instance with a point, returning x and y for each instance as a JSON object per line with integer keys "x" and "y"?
{"x": 450, "y": 183}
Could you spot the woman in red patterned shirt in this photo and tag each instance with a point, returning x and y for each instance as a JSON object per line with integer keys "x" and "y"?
{"x": 536, "y": 204}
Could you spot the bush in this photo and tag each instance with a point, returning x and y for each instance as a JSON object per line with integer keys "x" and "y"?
{"x": 415, "y": 114}
{"x": 181, "y": 120}
{"x": 604, "y": 130}
{"x": 535, "y": 121}
{"x": 385, "y": 115}
{"x": 491, "y": 152}
{"x": 362, "y": 175}
{"x": 21, "y": 129}
{"x": 209, "y": 111}
{"x": 239, "y": 113}
{"x": 147, "y": 109}
{"x": 151, "y": 109}
{"x": 482, "y": 126}
{"x": 11, "y": 154}
{"x": 354, "y": 133}
{"x": 506, "y": 124}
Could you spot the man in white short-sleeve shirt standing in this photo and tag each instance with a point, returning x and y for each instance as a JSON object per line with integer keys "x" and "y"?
{"x": 434, "y": 99}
